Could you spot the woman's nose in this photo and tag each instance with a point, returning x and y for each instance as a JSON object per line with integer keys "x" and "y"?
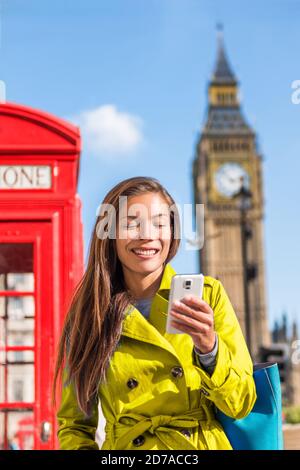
{"x": 147, "y": 230}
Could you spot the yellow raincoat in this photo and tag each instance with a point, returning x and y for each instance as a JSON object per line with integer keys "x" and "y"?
{"x": 157, "y": 394}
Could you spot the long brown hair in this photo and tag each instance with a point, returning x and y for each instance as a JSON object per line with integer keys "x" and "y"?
{"x": 93, "y": 324}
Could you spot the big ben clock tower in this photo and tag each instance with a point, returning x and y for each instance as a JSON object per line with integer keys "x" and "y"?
{"x": 227, "y": 159}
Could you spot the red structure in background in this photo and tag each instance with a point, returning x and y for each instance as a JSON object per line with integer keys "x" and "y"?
{"x": 41, "y": 261}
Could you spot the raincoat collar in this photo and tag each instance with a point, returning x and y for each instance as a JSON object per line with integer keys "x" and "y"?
{"x": 153, "y": 331}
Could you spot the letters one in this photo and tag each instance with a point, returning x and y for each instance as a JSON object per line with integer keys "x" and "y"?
{"x": 25, "y": 177}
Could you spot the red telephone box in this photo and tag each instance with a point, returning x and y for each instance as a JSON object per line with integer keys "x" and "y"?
{"x": 41, "y": 261}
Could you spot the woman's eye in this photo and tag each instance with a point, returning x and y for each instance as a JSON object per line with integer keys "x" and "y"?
{"x": 134, "y": 224}
{"x": 131, "y": 225}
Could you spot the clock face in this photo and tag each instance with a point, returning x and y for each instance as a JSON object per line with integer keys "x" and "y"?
{"x": 229, "y": 178}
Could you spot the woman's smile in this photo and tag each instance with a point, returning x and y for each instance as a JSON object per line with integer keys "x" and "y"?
{"x": 144, "y": 253}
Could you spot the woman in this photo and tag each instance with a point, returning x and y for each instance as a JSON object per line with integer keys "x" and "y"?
{"x": 156, "y": 390}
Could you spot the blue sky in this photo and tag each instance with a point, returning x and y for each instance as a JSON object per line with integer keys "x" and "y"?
{"x": 145, "y": 64}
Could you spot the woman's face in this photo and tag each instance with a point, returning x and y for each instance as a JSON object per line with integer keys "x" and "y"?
{"x": 144, "y": 233}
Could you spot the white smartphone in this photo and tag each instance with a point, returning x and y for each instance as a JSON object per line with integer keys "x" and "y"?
{"x": 181, "y": 285}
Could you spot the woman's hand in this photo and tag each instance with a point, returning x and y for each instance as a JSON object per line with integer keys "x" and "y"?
{"x": 198, "y": 321}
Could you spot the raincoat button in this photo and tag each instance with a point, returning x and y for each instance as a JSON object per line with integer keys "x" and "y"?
{"x": 205, "y": 392}
{"x": 177, "y": 371}
{"x": 132, "y": 383}
{"x": 139, "y": 441}
{"x": 186, "y": 432}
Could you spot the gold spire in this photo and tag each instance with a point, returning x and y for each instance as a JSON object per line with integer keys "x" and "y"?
{"x": 223, "y": 85}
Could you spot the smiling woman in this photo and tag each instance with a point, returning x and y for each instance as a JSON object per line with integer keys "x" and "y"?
{"x": 143, "y": 243}
{"x": 155, "y": 389}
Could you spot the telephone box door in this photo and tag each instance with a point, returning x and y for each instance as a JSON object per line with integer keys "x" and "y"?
{"x": 26, "y": 335}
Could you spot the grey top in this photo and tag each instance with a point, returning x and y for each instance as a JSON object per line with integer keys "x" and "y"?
{"x": 144, "y": 306}
{"x": 207, "y": 361}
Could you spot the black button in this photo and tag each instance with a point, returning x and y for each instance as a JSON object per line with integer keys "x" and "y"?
{"x": 132, "y": 383}
{"x": 186, "y": 432}
{"x": 139, "y": 441}
{"x": 177, "y": 371}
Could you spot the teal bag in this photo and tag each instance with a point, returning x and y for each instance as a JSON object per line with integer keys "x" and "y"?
{"x": 262, "y": 428}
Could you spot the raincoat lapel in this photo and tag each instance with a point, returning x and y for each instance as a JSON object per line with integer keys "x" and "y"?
{"x": 136, "y": 326}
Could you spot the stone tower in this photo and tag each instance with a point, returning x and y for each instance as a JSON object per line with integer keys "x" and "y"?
{"x": 227, "y": 158}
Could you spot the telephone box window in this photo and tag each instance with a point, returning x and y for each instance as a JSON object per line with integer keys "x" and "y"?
{"x": 17, "y": 352}
{"x": 16, "y": 267}
{"x": 19, "y": 429}
{"x": 18, "y": 388}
